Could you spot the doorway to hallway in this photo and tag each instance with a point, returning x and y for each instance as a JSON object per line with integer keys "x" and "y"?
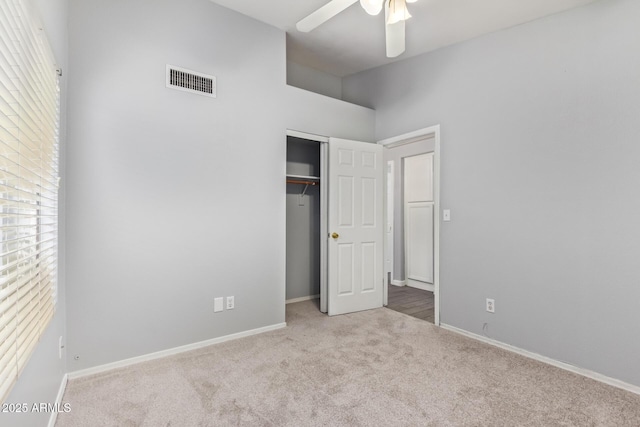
{"x": 413, "y": 302}
{"x": 412, "y": 229}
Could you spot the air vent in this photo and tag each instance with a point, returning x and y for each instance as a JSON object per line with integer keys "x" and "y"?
{"x": 191, "y": 81}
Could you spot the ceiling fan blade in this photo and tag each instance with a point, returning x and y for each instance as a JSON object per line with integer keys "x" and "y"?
{"x": 395, "y": 39}
{"x": 323, "y": 14}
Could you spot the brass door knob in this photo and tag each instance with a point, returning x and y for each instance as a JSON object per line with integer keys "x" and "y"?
{"x": 335, "y": 235}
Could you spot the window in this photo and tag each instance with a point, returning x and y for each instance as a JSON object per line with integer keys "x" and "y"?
{"x": 29, "y": 125}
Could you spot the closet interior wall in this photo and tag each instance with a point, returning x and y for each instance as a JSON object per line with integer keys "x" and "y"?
{"x": 303, "y": 220}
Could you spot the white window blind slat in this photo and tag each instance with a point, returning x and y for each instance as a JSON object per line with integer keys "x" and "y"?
{"x": 18, "y": 269}
{"x": 8, "y": 342}
{"x": 7, "y": 293}
{"x": 8, "y": 333}
{"x": 8, "y": 366}
{"x": 29, "y": 130}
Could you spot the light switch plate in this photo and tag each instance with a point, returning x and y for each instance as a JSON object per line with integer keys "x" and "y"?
{"x": 218, "y": 304}
{"x": 446, "y": 215}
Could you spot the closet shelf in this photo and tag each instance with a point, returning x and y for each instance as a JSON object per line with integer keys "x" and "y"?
{"x": 303, "y": 177}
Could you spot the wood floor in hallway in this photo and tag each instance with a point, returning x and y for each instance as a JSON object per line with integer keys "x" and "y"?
{"x": 412, "y": 301}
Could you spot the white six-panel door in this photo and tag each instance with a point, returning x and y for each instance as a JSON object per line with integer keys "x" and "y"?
{"x": 418, "y": 220}
{"x": 355, "y": 247}
{"x": 419, "y": 243}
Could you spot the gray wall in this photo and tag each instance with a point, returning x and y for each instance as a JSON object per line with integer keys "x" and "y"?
{"x": 174, "y": 199}
{"x": 41, "y": 378}
{"x": 397, "y": 154}
{"x": 314, "y": 80}
{"x": 540, "y": 160}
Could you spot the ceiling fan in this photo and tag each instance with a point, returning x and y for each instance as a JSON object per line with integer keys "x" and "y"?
{"x": 396, "y": 14}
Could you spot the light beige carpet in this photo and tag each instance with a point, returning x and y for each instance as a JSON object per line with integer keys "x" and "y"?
{"x": 374, "y": 368}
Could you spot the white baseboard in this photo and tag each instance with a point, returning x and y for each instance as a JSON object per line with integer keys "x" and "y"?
{"x": 549, "y": 361}
{"x": 420, "y": 285}
{"x": 398, "y": 283}
{"x": 58, "y": 402}
{"x": 171, "y": 351}
{"x": 294, "y": 300}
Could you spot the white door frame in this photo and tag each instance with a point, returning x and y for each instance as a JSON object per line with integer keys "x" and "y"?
{"x": 408, "y": 138}
{"x": 389, "y": 230}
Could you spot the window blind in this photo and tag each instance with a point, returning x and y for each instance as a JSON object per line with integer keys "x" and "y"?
{"x": 29, "y": 139}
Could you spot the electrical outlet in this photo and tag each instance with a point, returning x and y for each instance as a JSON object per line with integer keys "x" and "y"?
{"x": 491, "y": 305}
{"x": 230, "y": 303}
{"x": 217, "y": 304}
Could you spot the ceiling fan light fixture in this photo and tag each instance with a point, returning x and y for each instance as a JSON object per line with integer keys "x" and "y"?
{"x": 397, "y": 11}
{"x": 372, "y": 7}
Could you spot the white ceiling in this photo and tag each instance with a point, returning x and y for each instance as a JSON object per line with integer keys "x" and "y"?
{"x": 354, "y": 41}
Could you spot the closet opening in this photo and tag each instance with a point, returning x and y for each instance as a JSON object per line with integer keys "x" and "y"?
{"x": 334, "y": 223}
{"x": 306, "y": 219}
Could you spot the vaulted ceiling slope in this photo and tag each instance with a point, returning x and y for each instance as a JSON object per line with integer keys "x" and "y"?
{"x": 354, "y": 41}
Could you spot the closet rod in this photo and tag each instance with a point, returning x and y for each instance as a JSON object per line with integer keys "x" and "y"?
{"x": 297, "y": 181}
{"x": 303, "y": 182}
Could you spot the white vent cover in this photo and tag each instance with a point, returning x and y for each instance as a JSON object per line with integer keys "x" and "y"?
{"x": 190, "y": 81}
